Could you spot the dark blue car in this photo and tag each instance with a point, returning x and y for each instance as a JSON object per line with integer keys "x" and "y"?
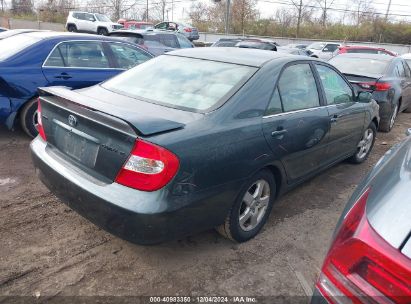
{"x": 41, "y": 59}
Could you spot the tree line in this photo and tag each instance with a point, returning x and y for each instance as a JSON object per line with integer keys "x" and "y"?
{"x": 316, "y": 19}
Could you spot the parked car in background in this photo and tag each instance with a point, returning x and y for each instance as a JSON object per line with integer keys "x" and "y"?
{"x": 3, "y": 29}
{"x": 32, "y": 60}
{"x": 174, "y": 146}
{"x": 369, "y": 260}
{"x": 292, "y": 51}
{"x": 135, "y": 25}
{"x": 323, "y": 50}
{"x": 10, "y": 33}
{"x": 187, "y": 30}
{"x": 407, "y": 58}
{"x": 227, "y": 42}
{"x": 261, "y": 44}
{"x": 157, "y": 42}
{"x": 94, "y": 23}
{"x": 363, "y": 50}
{"x": 388, "y": 78}
{"x": 297, "y": 46}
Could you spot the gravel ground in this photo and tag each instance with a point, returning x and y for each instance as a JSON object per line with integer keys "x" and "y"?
{"x": 48, "y": 250}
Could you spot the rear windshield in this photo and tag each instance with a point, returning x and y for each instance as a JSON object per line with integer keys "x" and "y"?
{"x": 185, "y": 83}
{"x": 359, "y": 66}
{"x": 316, "y": 46}
{"x": 12, "y": 45}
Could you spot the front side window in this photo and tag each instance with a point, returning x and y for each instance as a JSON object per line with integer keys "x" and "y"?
{"x": 87, "y": 54}
{"x": 186, "y": 83}
{"x": 399, "y": 70}
{"x": 162, "y": 26}
{"x": 297, "y": 88}
{"x": 102, "y": 18}
{"x": 128, "y": 57}
{"x": 337, "y": 91}
{"x": 90, "y": 17}
{"x": 330, "y": 47}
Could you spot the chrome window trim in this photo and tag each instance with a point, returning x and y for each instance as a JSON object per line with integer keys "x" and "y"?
{"x": 298, "y": 111}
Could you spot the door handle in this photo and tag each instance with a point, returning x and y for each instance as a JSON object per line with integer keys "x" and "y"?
{"x": 279, "y": 133}
{"x": 64, "y": 76}
{"x": 335, "y": 117}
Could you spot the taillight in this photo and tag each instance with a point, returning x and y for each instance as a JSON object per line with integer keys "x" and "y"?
{"x": 375, "y": 86}
{"x": 187, "y": 29}
{"x": 361, "y": 267}
{"x": 148, "y": 168}
{"x": 40, "y": 127}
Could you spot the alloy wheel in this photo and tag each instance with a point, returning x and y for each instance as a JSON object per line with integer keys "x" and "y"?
{"x": 365, "y": 143}
{"x": 254, "y": 205}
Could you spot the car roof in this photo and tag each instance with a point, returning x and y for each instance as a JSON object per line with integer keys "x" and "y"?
{"x": 250, "y": 57}
{"x": 381, "y": 57}
{"x": 362, "y": 47}
{"x": 141, "y": 32}
{"x": 51, "y": 35}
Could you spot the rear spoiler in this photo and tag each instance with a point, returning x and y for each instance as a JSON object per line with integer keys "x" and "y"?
{"x": 142, "y": 124}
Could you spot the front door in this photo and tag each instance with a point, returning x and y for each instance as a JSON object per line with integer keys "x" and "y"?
{"x": 78, "y": 64}
{"x": 296, "y": 124}
{"x": 346, "y": 116}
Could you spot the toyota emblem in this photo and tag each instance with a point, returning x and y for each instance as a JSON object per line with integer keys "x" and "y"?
{"x": 72, "y": 120}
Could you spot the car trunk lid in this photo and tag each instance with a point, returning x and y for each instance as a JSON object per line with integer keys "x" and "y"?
{"x": 94, "y": 134}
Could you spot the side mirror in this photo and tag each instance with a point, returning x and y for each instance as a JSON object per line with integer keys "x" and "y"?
{"x": 408, "y": 132}
{"x": 91, "y": 19}
{"x": 364, "y": 97}
{"x": 326, "y": 50}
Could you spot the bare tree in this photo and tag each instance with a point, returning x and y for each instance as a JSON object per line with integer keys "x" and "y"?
{"x": 243, "y": 11}
{"x": 325, "y": 6}
{"x": 303, "y": 11}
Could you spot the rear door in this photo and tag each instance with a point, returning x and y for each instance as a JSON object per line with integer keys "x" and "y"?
{"x": 403, "y": 73}
{"x": 78, "y": 64}
{"x": 296, "y": 123}
{"x": 345, "y": 114}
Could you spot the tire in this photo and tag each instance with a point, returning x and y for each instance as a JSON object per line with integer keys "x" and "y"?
{"x": 72, "y": 28}
{"x": 102, "y": 31}
{"x": 365, "y": 145}
{"x": 254, "y": 211}
{"x": 386, "y": 125}
{"x": 28, "y": 118}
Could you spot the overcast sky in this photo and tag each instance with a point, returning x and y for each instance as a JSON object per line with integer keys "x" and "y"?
{"x": 400, "y": 7}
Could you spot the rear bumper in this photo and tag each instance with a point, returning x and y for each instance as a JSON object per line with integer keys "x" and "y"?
{"x": 137, "y": 216}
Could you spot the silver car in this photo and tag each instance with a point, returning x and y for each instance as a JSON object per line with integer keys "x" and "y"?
{"x": 187, "y": 30}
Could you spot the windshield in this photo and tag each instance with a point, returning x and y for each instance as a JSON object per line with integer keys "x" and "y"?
{"x": 191, "y": 84}
{"x": 359, "y": 66}
{"x": 316, "y": 46}
{"x": 102, "y": 18}
{"x": 15, "y": 44}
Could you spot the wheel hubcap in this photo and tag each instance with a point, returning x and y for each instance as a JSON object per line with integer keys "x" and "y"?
{"x": 34, "y": 120}
{"x": 365, "y": 143}
{"x": 254, "y": 205}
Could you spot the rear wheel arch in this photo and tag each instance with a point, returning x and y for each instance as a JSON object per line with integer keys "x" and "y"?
{"x": 279, "y": 177}
{"x": 375, "y": 121}
{"x": 23, "y": 111}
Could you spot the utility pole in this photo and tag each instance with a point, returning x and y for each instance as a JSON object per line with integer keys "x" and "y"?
{"x": 172, "y": 10}
{"x": 388, "y": 11}
{"x": 147, "y": 11}
{"x": 227, "y": 18}
{"x": 300, "y": 7}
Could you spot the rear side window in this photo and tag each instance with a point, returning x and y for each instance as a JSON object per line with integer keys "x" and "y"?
{"x": 297, "y": 88}
{"x": 407, "y": 69}
{"x": 275, "y": 104}
{"x": 126, "y": 56}
{"x": 337, "y": 91}
{"x": 15, "y": 44}
{"x": 184, "y": 42}
{"x": 87, "y": 54}
{"x": 399, "y": 70}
